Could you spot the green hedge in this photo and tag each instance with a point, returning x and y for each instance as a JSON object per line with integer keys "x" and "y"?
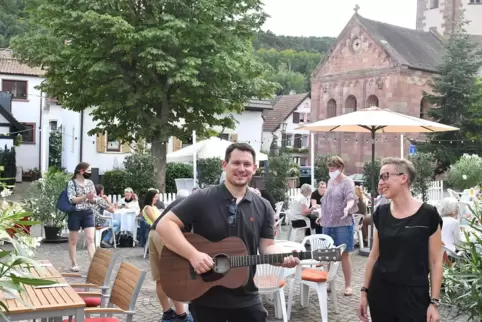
{"x": 209, "y": 171}
{"x": 114, "y": 182}
{"x": 177, "y": 171}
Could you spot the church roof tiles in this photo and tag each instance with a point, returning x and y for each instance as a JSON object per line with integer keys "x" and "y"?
{"x": 413, "y": 48}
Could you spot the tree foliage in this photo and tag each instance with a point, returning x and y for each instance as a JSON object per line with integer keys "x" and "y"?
{"x": 368, "y": 174}
{"x": 277, "y": 180}
{"x": 209, "y": 171}
{"x": 321, "y": 169}
{"x": 457, "y": 96}
{"x": 290, "y": 69}
{"x": 11, "y": 14}
{"x": 268, "y": 40}
{"x": 144, "y": 66}
{"x": 466, "y": 173}
{"x": 424, "y": 165}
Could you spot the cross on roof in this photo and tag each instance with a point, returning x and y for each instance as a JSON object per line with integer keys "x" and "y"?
{"x": 357, "y": 7}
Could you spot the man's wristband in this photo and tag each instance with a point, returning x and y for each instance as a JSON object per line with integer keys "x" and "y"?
{"x": 364, "y": 289}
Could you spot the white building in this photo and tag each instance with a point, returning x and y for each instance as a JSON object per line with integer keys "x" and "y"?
{"x": 39, "y": 115}
{"x": 443, "y": 14}
{"x": 288, "y": 113}
{"x": 248, "y": 128}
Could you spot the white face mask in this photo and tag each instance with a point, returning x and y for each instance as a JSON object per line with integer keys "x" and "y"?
{"x": 334, "y": 174}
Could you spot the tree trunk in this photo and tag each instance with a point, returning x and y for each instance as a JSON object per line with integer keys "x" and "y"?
{"x": 159, "y": 151}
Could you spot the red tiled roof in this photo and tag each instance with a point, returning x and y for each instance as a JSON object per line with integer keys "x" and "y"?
{"x": 285, "y": 105}
{"x": 10, "y": 65}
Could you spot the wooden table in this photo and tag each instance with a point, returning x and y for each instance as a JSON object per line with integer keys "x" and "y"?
{"x": 50, "y": 302}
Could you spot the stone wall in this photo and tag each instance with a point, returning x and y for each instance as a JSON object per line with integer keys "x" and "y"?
{"x": 368, "y": 71}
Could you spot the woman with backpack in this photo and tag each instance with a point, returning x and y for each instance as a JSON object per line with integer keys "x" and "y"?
{"x": 81, "y": 193}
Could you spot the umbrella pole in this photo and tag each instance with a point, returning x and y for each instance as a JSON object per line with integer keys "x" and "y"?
{"x": 366, "y": 251}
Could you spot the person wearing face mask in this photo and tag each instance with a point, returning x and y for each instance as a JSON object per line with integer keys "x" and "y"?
{"x": 338, "y": 205}
{"x": 81, "y": 192}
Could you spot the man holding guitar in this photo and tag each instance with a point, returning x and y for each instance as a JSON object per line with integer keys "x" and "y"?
{"x": 216, "y": 213}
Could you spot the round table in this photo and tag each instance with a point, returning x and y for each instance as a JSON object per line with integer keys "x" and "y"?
{"x": 127, "y": 219}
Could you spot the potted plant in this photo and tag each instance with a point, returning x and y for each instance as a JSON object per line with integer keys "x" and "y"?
{"x": 41, "y": 201}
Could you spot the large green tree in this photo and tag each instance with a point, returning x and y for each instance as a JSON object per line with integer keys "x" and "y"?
{"x": 457, "y": 100}
{"x": 144, "y": 66}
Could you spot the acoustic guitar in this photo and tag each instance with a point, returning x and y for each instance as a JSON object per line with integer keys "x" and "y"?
{"x": 231, "y": 266}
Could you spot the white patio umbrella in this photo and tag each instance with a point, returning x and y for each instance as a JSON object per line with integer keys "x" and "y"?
{"x": 376, "y": 120}
{"x": 211, "y": 148}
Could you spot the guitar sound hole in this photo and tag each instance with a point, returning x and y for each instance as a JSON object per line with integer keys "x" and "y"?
{"x": 221, "y": 267}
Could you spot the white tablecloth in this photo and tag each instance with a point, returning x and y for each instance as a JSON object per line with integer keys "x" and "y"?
{"x": 127, "y": 220}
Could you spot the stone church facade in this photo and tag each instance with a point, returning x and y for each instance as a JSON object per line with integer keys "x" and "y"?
{"x": 372, "y": 64}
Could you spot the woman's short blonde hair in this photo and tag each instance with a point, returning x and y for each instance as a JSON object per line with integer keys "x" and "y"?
{"x": 448, "y": 207}
{"x": 335, "y": 161}
{"x": 359, "y": 192}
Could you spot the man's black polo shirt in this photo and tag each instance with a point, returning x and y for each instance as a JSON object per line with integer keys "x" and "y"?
{"x": 208, "y": 211}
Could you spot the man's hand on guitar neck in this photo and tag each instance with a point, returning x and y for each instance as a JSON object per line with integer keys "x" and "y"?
{"x": 201, "y": 262}
{"x": 267, "y": 246}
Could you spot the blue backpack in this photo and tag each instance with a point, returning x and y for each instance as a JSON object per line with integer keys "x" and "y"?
{"x": 63, "y": 203}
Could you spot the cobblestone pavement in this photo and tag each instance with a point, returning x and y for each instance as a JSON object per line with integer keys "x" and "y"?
{"x": 148, "y": 308}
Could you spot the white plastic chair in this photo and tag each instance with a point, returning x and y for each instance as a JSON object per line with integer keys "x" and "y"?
{"x": 454, "y": 194}
{"x": 292, "y": 232}
{"x": 270, "y": 281}
{"x": 358, "y": 220}
{"x": 146, "y": 249}
{"x": 99, "y": 231}
{"x": 319, "y": 281}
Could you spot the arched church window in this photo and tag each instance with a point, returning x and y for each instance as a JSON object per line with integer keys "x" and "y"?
{"x": 350, "y": 104}
{"x": 331, "y": 109}
{"x": 424, "y": 107}
{"x": 372, "y": 100}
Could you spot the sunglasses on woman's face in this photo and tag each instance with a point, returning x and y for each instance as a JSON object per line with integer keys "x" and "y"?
{"x": 386, "y": 175}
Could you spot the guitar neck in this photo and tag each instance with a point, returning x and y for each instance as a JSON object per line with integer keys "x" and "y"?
{"x": 249, "y": 260}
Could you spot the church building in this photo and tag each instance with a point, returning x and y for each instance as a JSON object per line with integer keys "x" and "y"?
{"x": 373, "y": 64}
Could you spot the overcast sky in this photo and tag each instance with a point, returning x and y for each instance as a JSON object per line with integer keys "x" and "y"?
{"x": 328, "y": 18}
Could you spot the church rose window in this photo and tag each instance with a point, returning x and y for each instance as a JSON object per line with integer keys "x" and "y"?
{"x": 350, "y": 104}
{"x": 372, "y": 101}
{"x": 331, "y": 109}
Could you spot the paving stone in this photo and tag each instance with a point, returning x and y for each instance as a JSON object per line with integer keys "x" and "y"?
{"x": 148, "y": 307}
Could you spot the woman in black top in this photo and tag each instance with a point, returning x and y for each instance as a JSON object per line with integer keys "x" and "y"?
{"x": 407, "y": 247}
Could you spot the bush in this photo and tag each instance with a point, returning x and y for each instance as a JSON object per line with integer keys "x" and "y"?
{"x": 466, "y": 172}
{"x": 177, "y": 171}
{"x": 9, "y": 163}
{"x": 114, "y": 182}
{"x": 321, "y": 170}
{"x": 42, "y": 196}
{"x": 277, "y": 180}
{"x": 140, "y": 173}
{"x": 209, "y": 170}
{"x": 367, "y": 175}
{"x": 425, "y": 166}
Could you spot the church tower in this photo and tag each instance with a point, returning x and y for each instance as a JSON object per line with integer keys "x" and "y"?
{"x": 443, "y": 15}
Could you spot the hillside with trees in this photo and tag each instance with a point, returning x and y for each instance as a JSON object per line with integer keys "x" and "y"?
{"x": 292, "y": 59}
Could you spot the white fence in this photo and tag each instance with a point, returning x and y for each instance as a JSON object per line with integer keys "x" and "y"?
{"x": 167, "y": 198}
{"x": 435, "y": 191}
